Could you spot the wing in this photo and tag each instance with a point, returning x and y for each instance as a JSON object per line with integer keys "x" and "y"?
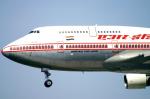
{"x": 129, "y": 61}
{"x": 130, "y": 56}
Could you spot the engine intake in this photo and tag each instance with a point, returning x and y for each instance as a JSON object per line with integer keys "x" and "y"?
{"x": 136, "y": 81}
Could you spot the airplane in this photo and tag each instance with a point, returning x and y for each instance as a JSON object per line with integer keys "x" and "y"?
{"x": 121, "y": 49}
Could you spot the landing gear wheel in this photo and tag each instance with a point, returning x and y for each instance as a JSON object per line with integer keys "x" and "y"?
{"x": 48, "y": 83}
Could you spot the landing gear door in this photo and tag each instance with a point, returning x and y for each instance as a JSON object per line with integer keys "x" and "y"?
{"x": 60, "y": 47}
{"x": 92, "y": 31}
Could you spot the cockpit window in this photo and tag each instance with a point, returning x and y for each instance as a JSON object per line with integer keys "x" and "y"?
{"x": 30, "y": 32}
{"x": 36, "y": 31}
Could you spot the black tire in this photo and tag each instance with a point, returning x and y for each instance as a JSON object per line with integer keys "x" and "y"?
{"x": 48, "y": 83}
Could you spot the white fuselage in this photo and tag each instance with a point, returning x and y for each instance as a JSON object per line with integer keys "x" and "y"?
{"x": 84, "y": 48}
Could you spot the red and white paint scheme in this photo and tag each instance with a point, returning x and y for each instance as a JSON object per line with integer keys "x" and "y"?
{"x": 86, "y": 48}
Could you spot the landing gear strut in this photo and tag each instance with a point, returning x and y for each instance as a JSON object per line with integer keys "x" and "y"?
{"x": 48, "y": 83}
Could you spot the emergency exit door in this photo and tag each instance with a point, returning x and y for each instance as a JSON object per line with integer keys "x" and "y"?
{"x": 60, "y": 47}
{"x": 92, "y": 31}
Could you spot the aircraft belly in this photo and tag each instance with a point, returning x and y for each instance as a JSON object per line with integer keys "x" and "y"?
{"x": 78, "y": 60}
{"x": 67, "y": 60}
{"x": 83, "y": 60}
{"x": 71, "y": 60}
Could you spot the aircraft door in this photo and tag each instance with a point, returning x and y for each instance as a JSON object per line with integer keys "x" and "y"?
{"x": 114, "y": 46}
{"x": 60, "y": 47}
{"x": 92, "y": 31}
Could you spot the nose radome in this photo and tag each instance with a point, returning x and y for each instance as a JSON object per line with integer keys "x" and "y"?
{"x": 2, "y": 52}
{"x": 5, "y": 51}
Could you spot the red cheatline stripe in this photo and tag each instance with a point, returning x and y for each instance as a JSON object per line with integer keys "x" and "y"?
{"x": 76, "y": 49}
{"x": 87, "y": 43}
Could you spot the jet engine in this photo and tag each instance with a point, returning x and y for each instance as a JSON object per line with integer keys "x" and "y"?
{"x": 136, "y": 81}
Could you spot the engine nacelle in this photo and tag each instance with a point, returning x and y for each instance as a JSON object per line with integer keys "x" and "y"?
{"x": 136, "y": 81}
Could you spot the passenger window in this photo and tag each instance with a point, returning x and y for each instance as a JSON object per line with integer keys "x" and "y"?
{"x": 120, "y": 46}
{"x": 39, "y": 46}
{"x": 129, "y": 46}
{"x": 79, "y": 46}
{"x": 48, "y": 46}
{"x": 147, "y": 46}
{"x": 99, "y": 46}
{"x": 138, "y": 45}
{"x": 52, "y": 46}
{"x": 103, "y": 46}
{"x": 69, "y": 46}
{"x": 61, "y": 46}
{"x": 75, "y": 46}
{"x": 27, "y": 47}
{"x": 23, "y": 48}
{"x": 32, "y": 47}
{"x": 36, "y": 47}
{"x": 45, "y": 46}
{"x": 116, "y": 46}
{"x": 20, "y": 47}
{"x": 72, "y": 46}
{"x": 88, "y": 46}
{"x": 66, "y": 46}
{"x": 96, "y": 46}
{"x": 124, "y": 46}
{"x": 93, "y": 46}
{"x": 42, "y": 46}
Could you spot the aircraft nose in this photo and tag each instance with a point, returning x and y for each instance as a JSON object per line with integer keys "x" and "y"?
{"x": 4, "y": 52}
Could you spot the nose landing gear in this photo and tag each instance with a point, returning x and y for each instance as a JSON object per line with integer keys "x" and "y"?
{"x": 48, "y": 83}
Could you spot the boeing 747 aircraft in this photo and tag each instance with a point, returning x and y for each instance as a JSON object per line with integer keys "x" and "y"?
{"x": 121, "y": 49}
